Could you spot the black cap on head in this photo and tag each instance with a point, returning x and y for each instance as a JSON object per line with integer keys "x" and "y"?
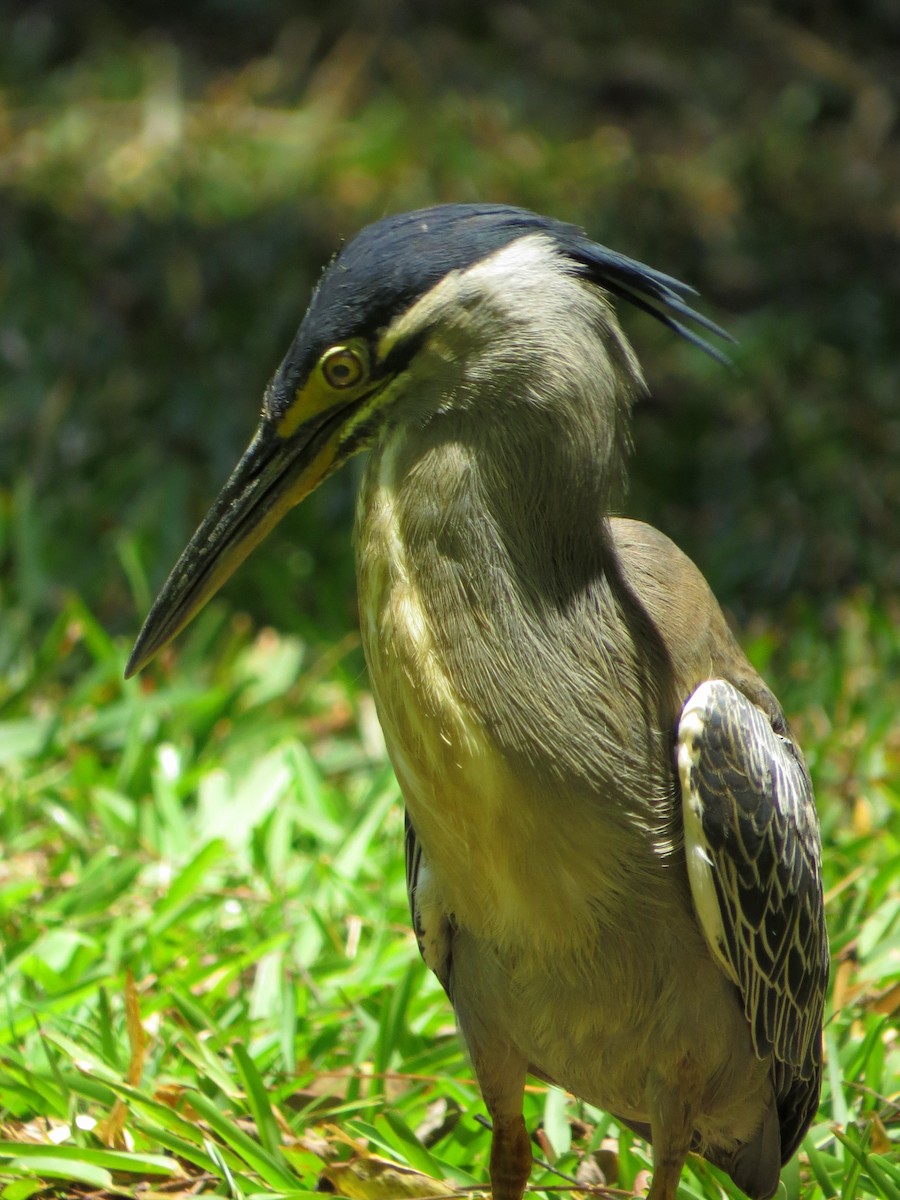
{"x": 391, "y": 263}
{"x": 388, "y": 265}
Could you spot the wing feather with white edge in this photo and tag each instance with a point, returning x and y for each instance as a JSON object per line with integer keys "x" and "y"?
{"x": 754, "y": 863}
{"x": 431, "y": 925}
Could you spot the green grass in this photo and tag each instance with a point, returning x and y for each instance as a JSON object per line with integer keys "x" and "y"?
{"x": 208, "y": 976}
{"x": 209, "y": 983}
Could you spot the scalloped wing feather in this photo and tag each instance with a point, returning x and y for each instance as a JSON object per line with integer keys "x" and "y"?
{"x": 754, "y": 864}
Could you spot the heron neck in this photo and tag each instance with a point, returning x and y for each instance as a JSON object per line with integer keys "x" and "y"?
{"x": 504, "y": 542}
{"x": 483, "y": 528}
{"x": 514, "y": 492}
{"x": 521, "y": 515}
{"x": 515, "y": 415}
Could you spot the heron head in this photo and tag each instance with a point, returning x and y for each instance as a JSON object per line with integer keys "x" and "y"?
{"x": 390, "y": 329}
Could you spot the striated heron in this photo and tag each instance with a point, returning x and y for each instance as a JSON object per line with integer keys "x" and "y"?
{"x": 612, "y": 849}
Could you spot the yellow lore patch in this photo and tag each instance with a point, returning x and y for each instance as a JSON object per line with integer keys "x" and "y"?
{"x": 340, "y": 377}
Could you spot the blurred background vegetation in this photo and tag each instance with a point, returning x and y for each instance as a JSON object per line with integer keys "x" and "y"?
{"x": 225, "y": 831}
{"x": 173, "y": 178}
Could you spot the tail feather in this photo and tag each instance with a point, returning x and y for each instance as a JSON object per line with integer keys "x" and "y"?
{"x": 755, "y": 1166}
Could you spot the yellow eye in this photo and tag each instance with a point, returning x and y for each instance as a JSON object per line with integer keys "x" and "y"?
{"x": 343, "y": 367}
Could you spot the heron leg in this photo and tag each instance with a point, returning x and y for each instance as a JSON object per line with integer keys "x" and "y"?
{"x": 510, "y": 1158}
{"x": 499, "y": 1065}
{"x": 501, "y": 1076}
{"x": 672, "y": 1125}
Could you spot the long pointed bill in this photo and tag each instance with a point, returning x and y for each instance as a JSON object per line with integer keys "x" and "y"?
{"x": 274, "y": 474}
